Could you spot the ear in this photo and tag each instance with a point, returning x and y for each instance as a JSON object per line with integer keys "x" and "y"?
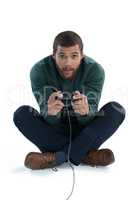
{"x": 83, "y": 56}
{"x": 53, "y": 56}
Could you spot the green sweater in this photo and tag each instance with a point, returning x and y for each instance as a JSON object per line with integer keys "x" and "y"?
{"x": 45, "y": 79}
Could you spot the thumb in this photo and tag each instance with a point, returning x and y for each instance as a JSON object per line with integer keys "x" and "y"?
{"x": 76, "y": 92}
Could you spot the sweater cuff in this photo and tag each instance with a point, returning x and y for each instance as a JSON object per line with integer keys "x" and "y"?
{"x": 84, "y": 119}
{"x": 51, "y": 119}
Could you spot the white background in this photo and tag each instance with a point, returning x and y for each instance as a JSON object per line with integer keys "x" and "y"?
{"x": 27, "y": 31}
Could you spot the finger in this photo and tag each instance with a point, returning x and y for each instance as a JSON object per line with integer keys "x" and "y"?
{"x": 82, "y": 112}
{"x": 76, "y": 92}
{"x": 59, "y": 96}
{"x": 85, "y": 99}
{"x": 77, "y": 103}
{"x": 77, "y": 98}
{"x": 53, "y": 95}
{"x": 76, "y": 111}
{"x": 76, "y": 107}
{"x": 58, "y": 102}
{"x": 58, "y": 107}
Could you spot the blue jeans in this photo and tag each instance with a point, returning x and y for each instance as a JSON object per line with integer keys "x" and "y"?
{"x": 56, "y": 138}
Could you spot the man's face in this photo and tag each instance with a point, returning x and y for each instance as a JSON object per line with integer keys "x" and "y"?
{"x": 68, "y": 60}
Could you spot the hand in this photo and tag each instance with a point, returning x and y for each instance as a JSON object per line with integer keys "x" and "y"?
{"x": 55, "y": 105}
{"x": 80, "y": 103}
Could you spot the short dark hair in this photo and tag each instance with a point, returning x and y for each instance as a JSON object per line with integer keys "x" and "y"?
{"x": 67, "y": 39}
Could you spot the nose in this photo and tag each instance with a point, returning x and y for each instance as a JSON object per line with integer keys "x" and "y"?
{"x": 68, "y": 61}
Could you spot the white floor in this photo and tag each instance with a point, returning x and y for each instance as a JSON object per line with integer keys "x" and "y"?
{"x": 112, "y": 182}
{"x": 27, "y": 32}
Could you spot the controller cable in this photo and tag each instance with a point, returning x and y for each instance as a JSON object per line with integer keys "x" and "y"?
{"x": 68, "y": 156}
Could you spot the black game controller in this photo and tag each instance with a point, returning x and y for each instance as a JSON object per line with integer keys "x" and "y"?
{"x": 67, "y": 99}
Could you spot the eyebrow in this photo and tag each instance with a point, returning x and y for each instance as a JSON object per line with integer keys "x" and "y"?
{"x": 71, "y": 53}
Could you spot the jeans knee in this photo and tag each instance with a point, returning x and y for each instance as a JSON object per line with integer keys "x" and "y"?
{"x": 20, "y": 112}
{"x": 117, "y": 110}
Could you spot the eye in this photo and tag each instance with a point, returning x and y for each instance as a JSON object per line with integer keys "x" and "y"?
{"x": 74, "y": 56}
{"x": 61, "y": 56}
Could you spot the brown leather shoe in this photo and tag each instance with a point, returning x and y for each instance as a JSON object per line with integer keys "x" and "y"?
{"x": 100, "y": 157}
{"x": 35, "y": 160}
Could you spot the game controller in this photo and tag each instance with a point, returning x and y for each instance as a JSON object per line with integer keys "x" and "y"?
{"x": 67, "y": 99}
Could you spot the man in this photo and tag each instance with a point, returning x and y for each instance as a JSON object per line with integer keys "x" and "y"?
{"x": 68, "y": 73}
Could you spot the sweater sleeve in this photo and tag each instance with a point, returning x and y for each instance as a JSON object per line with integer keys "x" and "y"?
{"x": 38, "y": 85}
{"x": 92, "y": 88}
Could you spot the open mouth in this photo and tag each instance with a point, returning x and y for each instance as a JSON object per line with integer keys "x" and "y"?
{"x": 67, "y": 70}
